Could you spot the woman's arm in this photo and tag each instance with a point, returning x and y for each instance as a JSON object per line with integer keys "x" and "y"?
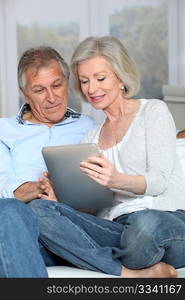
{"x": 104, "y": 172}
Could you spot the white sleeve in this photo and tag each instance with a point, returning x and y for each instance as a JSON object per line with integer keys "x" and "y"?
{"x": 160, "y": 147}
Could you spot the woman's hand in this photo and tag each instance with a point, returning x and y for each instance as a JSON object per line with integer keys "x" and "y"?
{"x": 103, "y": 172}
{"x": 100, "y": 170}
{"x": 47, "y": 188}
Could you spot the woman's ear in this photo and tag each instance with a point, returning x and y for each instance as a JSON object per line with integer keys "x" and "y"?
{"x": 121, "y": 86}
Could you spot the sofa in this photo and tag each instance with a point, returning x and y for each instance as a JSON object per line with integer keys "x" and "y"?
{"x": 174, "y": 96}
{"x": 72, "y": 272}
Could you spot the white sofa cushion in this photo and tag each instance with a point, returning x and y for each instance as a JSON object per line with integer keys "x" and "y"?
{"x": 72, "y": 272}
{"x": 180, "y": 150}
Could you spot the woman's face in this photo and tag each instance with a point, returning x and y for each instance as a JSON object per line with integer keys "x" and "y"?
{"x": 99, "y": 84}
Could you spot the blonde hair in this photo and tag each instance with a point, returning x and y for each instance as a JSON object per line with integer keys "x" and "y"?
{"x": 116, "y": 55}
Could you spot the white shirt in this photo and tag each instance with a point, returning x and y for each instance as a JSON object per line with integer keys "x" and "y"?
{"x": 148, "y": 148}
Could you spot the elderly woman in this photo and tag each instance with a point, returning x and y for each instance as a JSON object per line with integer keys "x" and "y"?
{"x": 137, "y": 140}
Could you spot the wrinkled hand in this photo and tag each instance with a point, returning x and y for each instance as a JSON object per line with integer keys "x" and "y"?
{"x": 28, "y": 191}
{"x": 48, "y": 192}
{"x": 101, "y": 170}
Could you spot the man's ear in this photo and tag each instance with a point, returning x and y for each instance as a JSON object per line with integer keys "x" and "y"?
{"x": 25, "y": 95}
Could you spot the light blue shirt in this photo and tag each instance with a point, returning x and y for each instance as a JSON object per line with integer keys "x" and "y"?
{"x": 21, "y": 143}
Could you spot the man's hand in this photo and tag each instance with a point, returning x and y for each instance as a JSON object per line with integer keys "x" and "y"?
{"x": 28, "y": 191}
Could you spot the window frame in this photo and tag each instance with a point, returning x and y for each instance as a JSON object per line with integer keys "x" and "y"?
{"x": 176, "y": 42}
{"x": 9, "y": 95}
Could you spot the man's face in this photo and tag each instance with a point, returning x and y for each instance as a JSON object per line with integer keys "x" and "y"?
{"x": 47, "y": 93}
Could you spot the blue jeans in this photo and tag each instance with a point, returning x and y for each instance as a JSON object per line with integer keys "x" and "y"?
{"x": 135, "y": 240}
{"x": 19, "y": 248}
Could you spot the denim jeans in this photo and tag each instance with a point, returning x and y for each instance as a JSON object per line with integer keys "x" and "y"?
{"x": 135, "y": 240}
{"x": 19, "y": 248}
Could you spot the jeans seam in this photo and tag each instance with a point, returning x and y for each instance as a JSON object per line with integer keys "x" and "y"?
{"x": 84, "y": 235}
{"x": 157, "y": 254}
{"x": 4, "y": 260}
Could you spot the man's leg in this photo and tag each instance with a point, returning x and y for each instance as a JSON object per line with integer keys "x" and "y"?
{"x": 51, "y": 259}
{"x": 19, "y": 250}
{"x": 151, "y": 236}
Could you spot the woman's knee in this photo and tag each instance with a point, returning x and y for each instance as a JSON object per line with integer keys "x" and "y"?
{"x": 142, "y": 227}
{"x": 48, "y": 207}
{"x": 35, "y": 204}
{"x": 39, "y": 206}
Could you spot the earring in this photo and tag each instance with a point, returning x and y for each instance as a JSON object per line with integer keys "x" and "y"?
{"x": 122, "y": 87}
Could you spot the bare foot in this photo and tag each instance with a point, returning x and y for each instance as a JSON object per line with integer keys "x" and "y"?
{"x": 159, "y": 270}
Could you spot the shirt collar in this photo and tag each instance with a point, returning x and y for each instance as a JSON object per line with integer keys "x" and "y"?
{"x": 26, "y": 108}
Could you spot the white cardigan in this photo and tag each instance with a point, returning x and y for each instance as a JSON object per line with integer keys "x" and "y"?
{"x": 149, "y": 149}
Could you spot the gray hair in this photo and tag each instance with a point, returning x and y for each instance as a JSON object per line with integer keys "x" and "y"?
{"x": 39, "y": 57}
{"x": 116, "y": 55}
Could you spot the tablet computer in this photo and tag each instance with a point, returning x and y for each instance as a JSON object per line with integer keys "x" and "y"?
{"x": 71, "y": 185}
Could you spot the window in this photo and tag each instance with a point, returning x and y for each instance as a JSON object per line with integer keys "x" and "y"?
{"x": 143, "y": 28}
{"x": 49, "y": 23}
{"x": 152, "y": 30}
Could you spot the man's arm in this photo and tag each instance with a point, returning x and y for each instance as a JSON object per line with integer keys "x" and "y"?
{"x": 8, "y": 180}
{"x": 10, "y": 185}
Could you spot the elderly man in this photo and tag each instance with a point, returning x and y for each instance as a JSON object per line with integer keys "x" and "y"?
{"x": 42, "y": 121}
